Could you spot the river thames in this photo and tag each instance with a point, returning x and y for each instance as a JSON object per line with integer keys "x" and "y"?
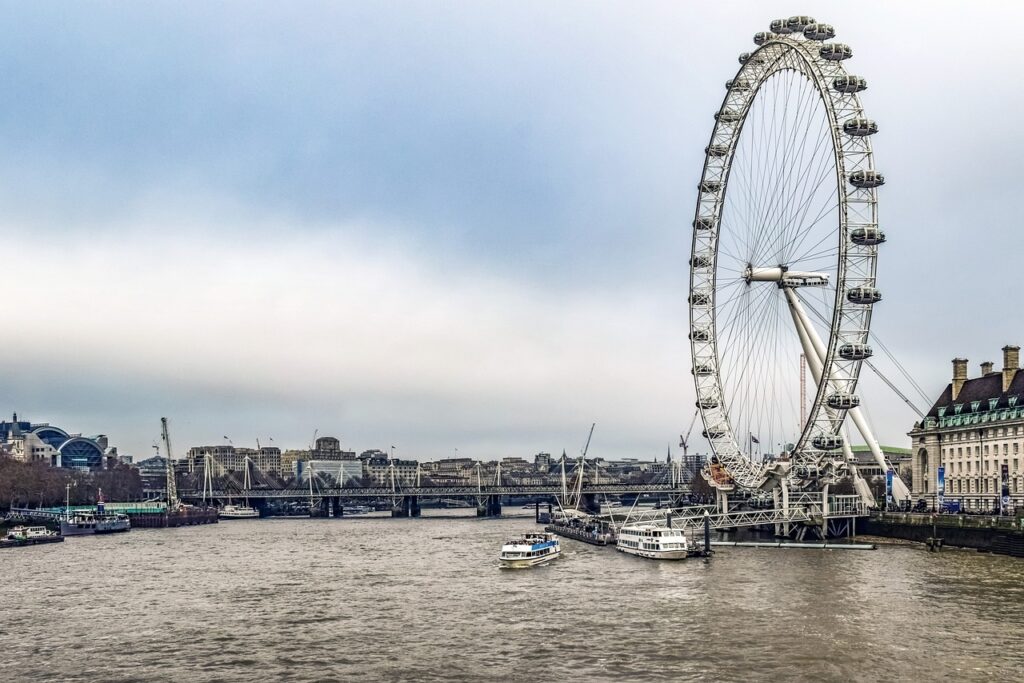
{"x": 374, "y": 598}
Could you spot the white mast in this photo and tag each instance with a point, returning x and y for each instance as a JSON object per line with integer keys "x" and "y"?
{"x": 172, "y": 488}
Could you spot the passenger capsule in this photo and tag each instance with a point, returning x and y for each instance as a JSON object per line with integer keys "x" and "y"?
{"x": 799, "y": 22}
{"x": 703, "y": 369}
{"x": 780, "y": 27}
{"x": 863, "y": 295}
{"x": 700, "y": 299}
{"x": 860, "y": 127}
{"x": 748, "y": 57}
{"x": 867, "y": 236}
{"x": 710, "y": 186}
{"x": 855, "y": 351}
{"x": 827, "y": 442}
{"x": 707, "y": 403}
{"x": 762, "y": 37}
{"x": 866, "y": 180}
{"x": 737, "y": 84}
{"x": 700, "y": 335}
{"x": 700, "y": 261}
{"x": 835, "y": 52}
{"x": 716, "y": 150}
{"x": 849, "y": 84}
{"x": 842, "y": 401}
{"x": 703, "y": 223}
{"x": 819, "y": 32}
{"x": 713, "y": 433}
{"x": 728, "y": 116}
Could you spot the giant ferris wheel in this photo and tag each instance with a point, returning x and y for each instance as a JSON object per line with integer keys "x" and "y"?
{"x": 783, "y": 263}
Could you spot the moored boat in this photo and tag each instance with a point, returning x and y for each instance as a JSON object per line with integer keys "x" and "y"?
{"x": 29, "y": 535}
{"x": 84, "y": 523}
{"x": 238, "y": 512}
{"x": 529, "y": 550}
{"x": 653, "y": 542}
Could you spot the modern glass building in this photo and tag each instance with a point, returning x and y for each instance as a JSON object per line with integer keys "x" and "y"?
{"x": 43, "y": 442}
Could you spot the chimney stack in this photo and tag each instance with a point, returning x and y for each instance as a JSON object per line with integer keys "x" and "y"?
{"x": 959, "y": 375}
{"x": 986, "y": 368}
{"x": 1011, "y": 363}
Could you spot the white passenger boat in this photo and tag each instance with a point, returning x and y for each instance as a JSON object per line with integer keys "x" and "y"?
{"x": 238, "y": 512}
{"x": 529, "y": 550}
{"x": 653, "y": 541}
{"x": 24, "y": 533}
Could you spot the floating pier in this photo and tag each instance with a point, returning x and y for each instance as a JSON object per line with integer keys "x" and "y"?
{"x": 793, "y": 544}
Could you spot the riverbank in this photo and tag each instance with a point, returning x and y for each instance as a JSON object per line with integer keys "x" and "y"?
{"x": 1001, "y": 535}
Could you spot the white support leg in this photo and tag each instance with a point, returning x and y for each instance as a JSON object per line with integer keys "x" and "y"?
{"x": 814, "y": 350}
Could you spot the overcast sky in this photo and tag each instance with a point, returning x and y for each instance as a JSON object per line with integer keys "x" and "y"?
{"x": 445, "y": 225}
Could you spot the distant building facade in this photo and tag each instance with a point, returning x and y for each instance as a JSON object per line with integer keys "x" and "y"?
{"x": 973, "y": 431}
{"x": 43, "y": 442}
{"x": 227, "y": 458}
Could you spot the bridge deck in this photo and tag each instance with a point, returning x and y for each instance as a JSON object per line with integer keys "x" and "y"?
{"x": 435, "y": 491}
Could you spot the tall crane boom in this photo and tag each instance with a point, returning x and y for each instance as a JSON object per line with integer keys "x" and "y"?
{"x": 172, "y": 488}
{"x": 589, "y": 436}
{"x": 684, "y": 441}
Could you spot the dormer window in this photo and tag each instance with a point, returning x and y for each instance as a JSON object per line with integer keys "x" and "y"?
{"x": 975, "y": 405}
{"x": 1012, "y": 400}
{"x": 957, "y": 408}
{"x": 942, "y": 411}
{"x": 992, "y": 403}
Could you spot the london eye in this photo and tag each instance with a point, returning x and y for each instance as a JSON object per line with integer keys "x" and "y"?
{"x": 783, "y": 263}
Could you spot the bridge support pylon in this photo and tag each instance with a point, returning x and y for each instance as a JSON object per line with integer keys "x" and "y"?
{"x": 489, "y": 506}
{"x": 406, "y": 506}
{"x": 590, "y": 504}
{"x": 722, "y": 501}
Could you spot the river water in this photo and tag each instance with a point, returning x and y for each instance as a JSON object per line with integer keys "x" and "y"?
{"x": 375, "y": 598}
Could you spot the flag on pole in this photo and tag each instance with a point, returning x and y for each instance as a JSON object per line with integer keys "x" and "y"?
{"x": 753, "y": 439}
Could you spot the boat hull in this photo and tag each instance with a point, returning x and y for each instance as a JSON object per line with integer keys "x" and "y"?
{"x": 680, "y": 554}
{"x": 17, "y": 543}
{"x": 90, "y": 528}
{"x": 525, "y": 562}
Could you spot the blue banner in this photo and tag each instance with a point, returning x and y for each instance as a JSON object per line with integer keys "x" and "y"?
{"x": 940, "y": 488}
{"x": 1004, "y": 497}
{"x": 888, "y": 487}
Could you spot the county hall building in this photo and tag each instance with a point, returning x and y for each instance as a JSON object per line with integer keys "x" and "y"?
{"x": 973, "y": 430}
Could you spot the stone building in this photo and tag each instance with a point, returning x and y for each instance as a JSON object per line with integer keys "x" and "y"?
{"x": 974, "y": 428}
{"x": 227, "y": 458}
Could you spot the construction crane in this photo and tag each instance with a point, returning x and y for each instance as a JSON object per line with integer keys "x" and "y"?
{"x": 172, "y": 489}
{"x": 684, "y": 441}
{"x": 589, "y": 436}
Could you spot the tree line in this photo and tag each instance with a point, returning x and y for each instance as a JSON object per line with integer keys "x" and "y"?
{"x": 36, "y": 484}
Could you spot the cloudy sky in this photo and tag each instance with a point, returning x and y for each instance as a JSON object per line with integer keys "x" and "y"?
{"x": 441, "y": 225}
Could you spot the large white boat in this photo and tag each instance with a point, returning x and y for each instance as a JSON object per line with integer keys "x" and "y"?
{"x": 529, "y": 550}
{"x": 653, "y": 541}
{"x": 238, "y": 512}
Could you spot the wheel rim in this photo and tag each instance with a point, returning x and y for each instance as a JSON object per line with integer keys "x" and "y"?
{"x": 775, "y": 192}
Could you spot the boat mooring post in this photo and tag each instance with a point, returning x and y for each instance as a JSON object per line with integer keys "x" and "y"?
{"x": 707, "y": 533}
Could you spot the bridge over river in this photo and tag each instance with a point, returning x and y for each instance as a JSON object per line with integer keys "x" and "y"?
{"x": 406, "y": 499}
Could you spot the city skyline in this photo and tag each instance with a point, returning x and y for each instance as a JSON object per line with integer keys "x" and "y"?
{"x": 334, "y": 220}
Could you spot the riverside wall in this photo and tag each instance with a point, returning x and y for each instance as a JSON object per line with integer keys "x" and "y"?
{"x": 1004, "y": 535}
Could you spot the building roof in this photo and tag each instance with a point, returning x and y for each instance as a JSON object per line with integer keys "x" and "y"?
{"x": 982, "y": 389}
